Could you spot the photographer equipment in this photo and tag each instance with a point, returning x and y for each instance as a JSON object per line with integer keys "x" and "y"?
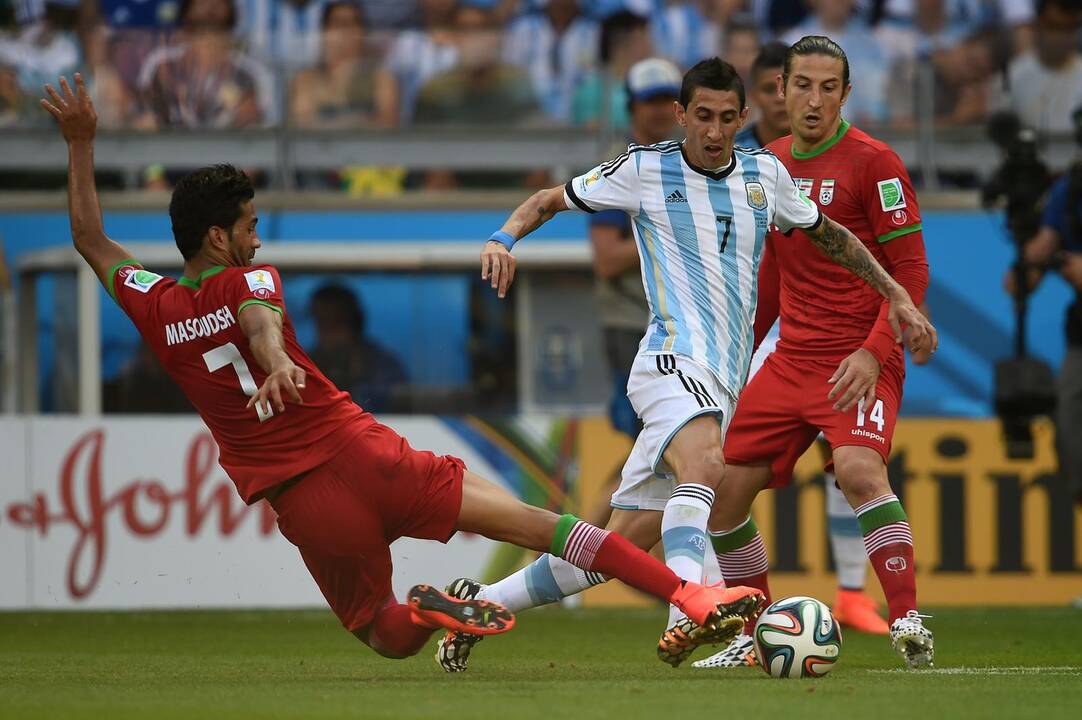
{"x": 1024, "y": 385}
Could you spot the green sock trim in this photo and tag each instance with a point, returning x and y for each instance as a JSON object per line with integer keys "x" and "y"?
{"x": 735, "y": 539}
{"x": 876, "y": 518}
{"x": 563, "y": 530}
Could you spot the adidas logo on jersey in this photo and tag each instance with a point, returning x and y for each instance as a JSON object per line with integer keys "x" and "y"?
{"x": 676, "y": 197}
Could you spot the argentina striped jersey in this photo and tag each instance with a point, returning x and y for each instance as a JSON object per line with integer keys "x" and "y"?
{"x": 700, "y": 235}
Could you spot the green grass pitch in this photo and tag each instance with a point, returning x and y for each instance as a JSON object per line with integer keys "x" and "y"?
{"x": 1016, "y": 663}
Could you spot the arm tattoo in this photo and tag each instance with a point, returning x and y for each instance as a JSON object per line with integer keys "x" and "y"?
{"x": 848, "y": 251}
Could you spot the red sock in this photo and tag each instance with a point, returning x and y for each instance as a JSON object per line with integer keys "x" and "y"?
{"x": 742, "y": 559}
{"x": 394, "y": 632}
{"x": 591, "y": 548}
{"x": 889, "y": 543}
{"x": 894, "y": 565}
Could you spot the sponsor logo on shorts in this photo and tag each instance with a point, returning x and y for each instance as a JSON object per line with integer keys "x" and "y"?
{"x": 861, "y": 432}
{"x": 896, "y": 564}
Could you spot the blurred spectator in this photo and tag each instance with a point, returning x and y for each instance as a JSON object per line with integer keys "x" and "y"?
{"x": 772, "y": 119}
{"x": 141, "y": 14}
{"x": 468, "y": 93}
{"x": 202, "y": 81}
{"x": 922, "y": 27}
{"x": 622, "y": 310}
{"x": 36, "y": 54}
{"x": 867, "y": 61}
{"x": 112, "y": 98}
{"x": 372, "y": 375}
{"x": 416, "y": 56}
{"x": 143, "y": 386}
{"x": 957, "y": 81}
{"x": 741, "y": 46}
{"x": 340, "y": 91}
{"x": 557, "y": 47}
{"x": 686, "y": 32}
{"x": 602, "y": 96}
{"x": 776, "y": 17}
{"x": 281, "y": 32}
{"x": 961, "y": 18}
{"x": 390, "y": 14}
{"x": 1045, "y": 84}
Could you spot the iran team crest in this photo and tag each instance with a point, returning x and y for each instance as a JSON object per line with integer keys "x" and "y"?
{"x": 756, "y": 195}
{"x": 826, "y": 191}
{"x": 804, "y": 185}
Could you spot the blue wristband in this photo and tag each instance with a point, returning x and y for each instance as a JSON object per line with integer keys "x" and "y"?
{"x": 504, "y": 238}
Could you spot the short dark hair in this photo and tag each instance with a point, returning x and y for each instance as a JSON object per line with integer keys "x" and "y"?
{"x": 772, "y": 55}
{"x": 209, "y": 197}
{"x": 815, "y": 45}
{"x": 330, "y": 7}
{"x": 186, "y": 6}
{"x": 615, "y": 29}
{"x": 1067, "y": 5}
{"x": 713, "y": 74}
{"x": 339, "y": 296}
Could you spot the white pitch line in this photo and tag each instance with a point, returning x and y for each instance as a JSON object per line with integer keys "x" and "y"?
{"x": 1016, "y": 670}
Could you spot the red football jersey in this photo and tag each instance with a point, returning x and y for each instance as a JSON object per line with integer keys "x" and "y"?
{"x": 192, "y": 328}
{"x": 826, "y": 311}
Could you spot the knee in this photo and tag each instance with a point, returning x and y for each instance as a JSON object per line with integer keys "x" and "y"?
{"x": 706, "y": 467}
{"x": 862, "y": 479}
{"x": 371, "y": 640}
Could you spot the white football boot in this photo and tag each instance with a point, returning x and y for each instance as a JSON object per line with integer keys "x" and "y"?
{"x": 740, "y": 653}
{"x": 913, "y": 641}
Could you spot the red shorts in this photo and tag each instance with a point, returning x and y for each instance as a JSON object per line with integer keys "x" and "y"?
{"x": 785, "y": 406}
{"x": 344, "y": 514}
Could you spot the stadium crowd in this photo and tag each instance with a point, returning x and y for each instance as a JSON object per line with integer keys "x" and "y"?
{"x": 212, "y": 64}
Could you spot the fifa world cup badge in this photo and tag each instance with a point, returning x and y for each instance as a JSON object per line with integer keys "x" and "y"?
{"x": 826, "y": 191}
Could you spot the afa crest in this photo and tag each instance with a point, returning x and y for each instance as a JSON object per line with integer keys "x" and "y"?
{"x": 756, "y": 195}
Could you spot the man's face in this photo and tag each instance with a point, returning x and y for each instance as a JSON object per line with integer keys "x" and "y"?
{"x": 814, "y": 96}
{"x": 332, "y": 325}
{"x": 764, "y": 95}
{"x": 344, "y": 33}
{"x": 712, "y": 119}
{"x": 243, "y": 240}
{"x": 1057, "y": 28}
{"x": 741, "y": 49}
{"x": 654, "y": 119}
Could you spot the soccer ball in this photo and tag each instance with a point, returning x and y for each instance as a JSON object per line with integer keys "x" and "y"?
{"x": 796, "y": 638}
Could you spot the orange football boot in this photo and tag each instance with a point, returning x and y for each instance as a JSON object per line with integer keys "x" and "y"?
{"x": 854, "y": 609}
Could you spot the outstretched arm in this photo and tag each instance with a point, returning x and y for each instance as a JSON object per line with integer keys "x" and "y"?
{"x": 78, "y": 122}
{"x": 497, "y": 262}
{"x": 263, "y": 328}
{"x": 848, "y": 251}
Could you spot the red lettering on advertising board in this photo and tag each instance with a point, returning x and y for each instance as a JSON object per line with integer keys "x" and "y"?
{"x": 144, "y": 504}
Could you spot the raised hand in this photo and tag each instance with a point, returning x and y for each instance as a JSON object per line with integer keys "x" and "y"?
{"x": 74, "y": 111}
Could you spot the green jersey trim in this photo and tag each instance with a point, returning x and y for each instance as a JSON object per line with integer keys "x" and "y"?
{"x": 198, "y": 282}
{"x": 246, "y": 303}
{"x": 899, "y": 232}
{"x": 843, "y": 128}
{"x": 112, "y": 276}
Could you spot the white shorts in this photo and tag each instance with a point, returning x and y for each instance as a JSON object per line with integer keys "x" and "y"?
{"x": 666, "y": 391}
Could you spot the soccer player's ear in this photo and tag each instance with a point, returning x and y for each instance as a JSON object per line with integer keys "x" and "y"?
{"x": 681, "y": 117}
{"x": 845, "y": 93}
{"x": 780, "y": 82}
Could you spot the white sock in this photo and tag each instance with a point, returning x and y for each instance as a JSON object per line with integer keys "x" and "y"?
{"x": 683, "y": 534}
{"x": 846, "y": 539}
{"x": 546, "y": 580}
